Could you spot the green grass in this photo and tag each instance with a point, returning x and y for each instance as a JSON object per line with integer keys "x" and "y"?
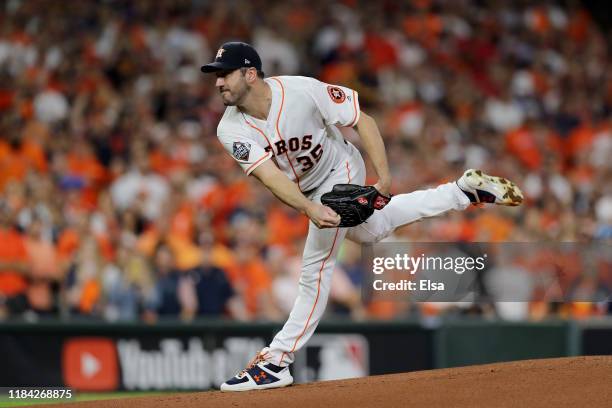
{"x": 87, "y": 396}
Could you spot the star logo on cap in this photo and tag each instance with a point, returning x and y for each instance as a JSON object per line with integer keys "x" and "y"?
{"x": 220, "y": 53}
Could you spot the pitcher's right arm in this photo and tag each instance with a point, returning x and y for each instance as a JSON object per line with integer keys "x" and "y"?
{"x": 288, "y": 192}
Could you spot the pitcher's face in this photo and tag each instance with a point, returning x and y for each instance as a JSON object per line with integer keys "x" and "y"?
{"x": 233, "y": 86}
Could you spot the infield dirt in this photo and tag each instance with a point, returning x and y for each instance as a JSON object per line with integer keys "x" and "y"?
{"x": 564, "y": 382}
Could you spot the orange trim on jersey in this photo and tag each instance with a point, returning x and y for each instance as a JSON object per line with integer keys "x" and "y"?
{"x": 355, "y": 109}
{"x": 262, "y": 133}
{"x": 349, "y": 172}
{"x": 316, "y": 299}
{"x": 278, "y": 130}
{"x": 318, "y": 284}
{"x": 257, "y": 162}
{"x": 265, "y": 356}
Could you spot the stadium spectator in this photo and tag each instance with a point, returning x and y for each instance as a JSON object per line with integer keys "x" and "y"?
{"x": 116, "y": 200}
{"x": 13, "y": 265}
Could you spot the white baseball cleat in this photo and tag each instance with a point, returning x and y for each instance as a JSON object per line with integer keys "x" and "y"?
{"x": 482, "y": 188}
{"x": 259, "y": 375}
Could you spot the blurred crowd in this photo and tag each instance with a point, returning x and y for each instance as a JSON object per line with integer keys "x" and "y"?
{"x": 117, "y": 201}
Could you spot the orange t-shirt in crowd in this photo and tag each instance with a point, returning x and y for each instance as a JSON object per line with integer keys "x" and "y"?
{"x": 492, "y": 227}
{"x": 383, "y": 309}
{"x": 148, "y": 240}
{"x": 13, "y": 249}
{"x": 14, "y": 165}
{"x": 67, "y": 243}
{"x": 380, "y": 53}
{"x": 522, "y": 143}
{"x": 221, "y": 256}
{"x": 86, "y": 166}
{"x": 89, "y": 168}
{"x": 285, "y": 228}
{"x": 90, "y": 295}
{"x": 225, "y": 198}
{"x": 186, "y": 253}
{"x": 340, "y": 72}
{"x": 221, "y": 200}
{"x": 181, "y": 222}
{"x": 253, "y": 279}
{"x": 579, "y": 139}
{"x": 424, "y": 28}
{"x": 70, "y": 240}
{"x": 165, "y": 164}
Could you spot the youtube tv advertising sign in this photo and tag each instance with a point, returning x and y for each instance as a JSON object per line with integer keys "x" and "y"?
{"x": 104, "y": 364}
{"x": 90, "y": 364}
{"x": 190, "y": 357}
{"x": 132, "y": 362}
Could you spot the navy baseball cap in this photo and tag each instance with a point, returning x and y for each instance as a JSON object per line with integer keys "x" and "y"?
{"x": 234, "y": 55}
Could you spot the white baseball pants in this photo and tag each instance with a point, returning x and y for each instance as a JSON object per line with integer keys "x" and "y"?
{"x": 322, "y": 246}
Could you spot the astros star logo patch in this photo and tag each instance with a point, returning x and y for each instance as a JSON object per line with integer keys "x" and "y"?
{"x": 336, "y": 94}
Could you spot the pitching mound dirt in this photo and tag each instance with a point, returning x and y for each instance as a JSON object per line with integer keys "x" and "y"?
{"x": 564, "y": 382}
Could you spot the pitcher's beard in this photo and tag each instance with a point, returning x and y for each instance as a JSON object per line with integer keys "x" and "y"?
{"x": 238, "y": 99}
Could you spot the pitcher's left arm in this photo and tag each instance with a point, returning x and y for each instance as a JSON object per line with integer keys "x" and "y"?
{"x": 374, "y": 146}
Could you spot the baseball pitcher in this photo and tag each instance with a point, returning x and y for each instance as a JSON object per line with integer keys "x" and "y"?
{"x": 284, "y": 131}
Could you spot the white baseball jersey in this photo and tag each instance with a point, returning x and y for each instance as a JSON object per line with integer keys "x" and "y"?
{"x": 300, "y": 131}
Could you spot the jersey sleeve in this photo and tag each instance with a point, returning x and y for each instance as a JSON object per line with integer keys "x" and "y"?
{"x": 244, "y": 150}
{"x": 338, "y": 105}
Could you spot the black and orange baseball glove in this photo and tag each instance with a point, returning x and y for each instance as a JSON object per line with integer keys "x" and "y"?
{"x": 353, "y": 203}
